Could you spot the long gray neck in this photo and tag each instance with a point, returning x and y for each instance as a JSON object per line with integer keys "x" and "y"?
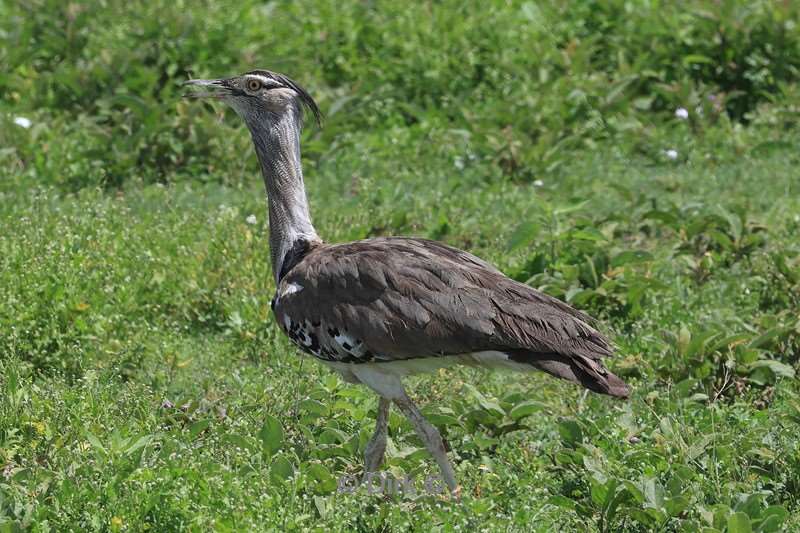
{"x": 277, "y": 144}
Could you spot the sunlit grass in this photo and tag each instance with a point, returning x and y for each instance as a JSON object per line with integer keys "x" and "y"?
{"x": 592, "y": 150}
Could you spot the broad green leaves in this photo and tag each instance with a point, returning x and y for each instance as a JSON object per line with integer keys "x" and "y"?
{"x": 271, "y": 435}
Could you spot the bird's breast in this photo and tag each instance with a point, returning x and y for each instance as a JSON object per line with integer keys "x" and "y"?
{"x": 315, "y": 336}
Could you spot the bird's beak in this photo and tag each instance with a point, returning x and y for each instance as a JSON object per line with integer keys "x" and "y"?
{"x": 215, "y": 88}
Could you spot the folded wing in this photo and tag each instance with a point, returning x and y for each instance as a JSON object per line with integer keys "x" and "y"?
{"x": 402, "y": 298}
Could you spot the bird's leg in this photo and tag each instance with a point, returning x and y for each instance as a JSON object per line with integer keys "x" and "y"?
{"x": 432, "y": 439}
{"x": 389, "y": 386}
{"x": 373, "y": 456}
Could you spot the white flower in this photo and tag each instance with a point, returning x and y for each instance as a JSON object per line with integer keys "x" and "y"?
{"x": 251, "y": 219}
{"x": 538, "y": 183}
{"x": 22, "y": 122}
{"x": 671, "y": 154}
{"x": 682, "y": 113}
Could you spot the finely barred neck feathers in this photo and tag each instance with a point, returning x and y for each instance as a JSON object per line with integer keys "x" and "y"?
{"x": 272, "y": 106}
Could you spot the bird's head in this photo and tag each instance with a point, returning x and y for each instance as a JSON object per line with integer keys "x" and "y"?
{"x": 260, "y": 97}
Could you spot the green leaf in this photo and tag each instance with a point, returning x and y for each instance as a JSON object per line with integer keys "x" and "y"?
{"x": 325, "y": 481}
{"x": 634, "y": 490}
{"x": 770, "y": 524}
{"x": 643, "y": 103}
{"x": 619, "y": 495}
{"x": 691, "y": 59}
{"x": 577, "y": 206}
{"x": 648, "y": 516}
{"x": 768, "y": 147}
{"x": 332, "y": 436}
{"x": 700, "y": 342}
{"x": 662, "y": 216}
{"x": 280, "y": 468}
{"x": 198, "y": 427}
{"x": 271, "y": 435}
{"x": 676, "y": 505}
{"x": 571, "y": 433}
{"x": 490, "y": 406}
{"x": 588, "y": 234}
{"x": 572, "y": 505}
{"x": 653, "y": 493}
{"x": 442, "y": 420}
{"x": 720, "y": 238}
{"x": 791, "y": 274}
{"x": 598, "y": 492}
{"x": 684, "y": 388}
{"x": 95, "y": 442}
{"x": 312, "y": 406}
{"x": 484, "y": 441}
{"x": 764, "y": 340}
{"x": 739, "y": 523}
{"x": 562, "y": 501}
{"x": 481, "y": 416}
{"x": 322, "y": 506}
{"x": 734, "y": 223}
{"x": 750, "y": 505}
{"x": 729, "y": 341}
{"x": 765, "y": 371}
{"x": 239, "y": 441}
{"x": 140, "y": 443}
{"x": 772, "y": 518}
{"x": 631, "y": 257}
{"x": 526, "y": 408}
{"x": 523, "y": 235}
{"x": 683, "y": 339}
{"x": 720, "y": 514}
{"x": 699, "y": 447}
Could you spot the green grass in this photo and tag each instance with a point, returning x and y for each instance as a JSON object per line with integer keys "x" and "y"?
{"x": 144, "y": 384}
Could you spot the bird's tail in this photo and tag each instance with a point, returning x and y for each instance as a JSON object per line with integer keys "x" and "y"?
{"x": 580, "y": 369}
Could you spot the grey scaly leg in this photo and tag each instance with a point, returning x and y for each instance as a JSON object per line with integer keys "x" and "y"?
{"x": 373, "y": 456}
{"x": 390, "y": 387}
{"x": 432, "y": 439}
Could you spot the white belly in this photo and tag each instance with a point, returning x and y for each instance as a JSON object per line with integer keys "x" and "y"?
{"x": 406, "y": 367}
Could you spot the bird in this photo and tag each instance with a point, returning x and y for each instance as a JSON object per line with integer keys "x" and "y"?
{"x": 383, "y": 308}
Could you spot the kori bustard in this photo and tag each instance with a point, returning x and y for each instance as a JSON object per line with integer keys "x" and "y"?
{"x": 379, "y": 309}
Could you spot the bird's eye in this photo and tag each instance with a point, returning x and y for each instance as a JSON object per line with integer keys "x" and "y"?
{"x": 253, "y": 85}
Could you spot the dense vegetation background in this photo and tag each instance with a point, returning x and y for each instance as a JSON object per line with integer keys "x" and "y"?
{"x": 635, "y": 158}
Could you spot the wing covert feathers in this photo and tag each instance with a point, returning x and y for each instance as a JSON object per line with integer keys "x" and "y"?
{"x": 406, "y": 298}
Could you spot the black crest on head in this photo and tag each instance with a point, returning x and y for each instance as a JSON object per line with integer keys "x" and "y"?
{"x": 305, "y": 98}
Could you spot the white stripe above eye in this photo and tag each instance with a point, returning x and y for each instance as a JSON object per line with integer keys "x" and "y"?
{"x": 269, "y": 83}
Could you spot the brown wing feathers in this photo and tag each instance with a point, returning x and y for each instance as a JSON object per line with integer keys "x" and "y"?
{"x": 576, "y": 368}
{"x": 556, "y": 338}
{"x": 408, "y": 298}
